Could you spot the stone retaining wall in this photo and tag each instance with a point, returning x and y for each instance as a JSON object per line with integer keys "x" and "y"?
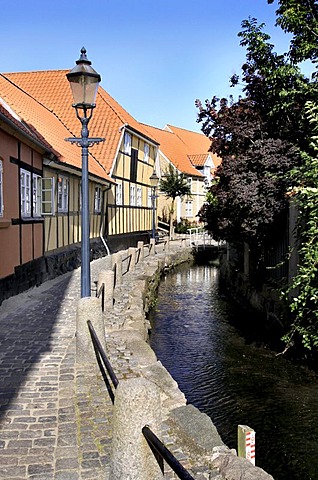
{"x": 193, "y": 432}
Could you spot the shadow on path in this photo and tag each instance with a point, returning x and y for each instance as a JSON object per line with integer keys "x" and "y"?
{"x": 27, "y": 324}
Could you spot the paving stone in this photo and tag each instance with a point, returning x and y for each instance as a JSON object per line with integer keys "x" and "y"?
{"x": 55, "y": 416}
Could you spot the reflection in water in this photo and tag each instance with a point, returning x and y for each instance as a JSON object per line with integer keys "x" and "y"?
{"x": 227, "y": 376}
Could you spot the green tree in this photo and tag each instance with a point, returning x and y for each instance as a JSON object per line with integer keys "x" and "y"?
{"x": 304, "y": 288}
{"x": 268, "y": 144}
{"x": 173, "y": 184}
{"x": 300, "y": 18}
{"x": 257, "y": 138}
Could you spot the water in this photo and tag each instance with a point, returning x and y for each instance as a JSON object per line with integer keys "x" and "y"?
{"x": 230, "y": 376}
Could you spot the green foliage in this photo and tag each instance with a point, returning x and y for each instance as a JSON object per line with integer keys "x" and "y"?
{"x": 259, "y": 138}
{"x": 184, "y": 225}
{"x": 304, "y": 287}
{"x": 300, "y": 18}
{"x": 174, "y": 184}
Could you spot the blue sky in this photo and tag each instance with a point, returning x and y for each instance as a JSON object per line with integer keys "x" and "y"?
{"x": 155, "y": 57}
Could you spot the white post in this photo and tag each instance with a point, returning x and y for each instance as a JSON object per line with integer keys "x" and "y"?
{"x": 246, "y": 443}
{"x": 152, "y": 246}
{"x": 140, "y": 245}
{"x": 117, "y": 263}
{"x": 88, "y": 308}
{"x": 132, "y": 253}
{"x": 107, "y": 277}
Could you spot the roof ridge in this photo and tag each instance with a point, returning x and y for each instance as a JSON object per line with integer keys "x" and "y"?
{"x": 185, "y": 129}
{"x": 36, "y": 71}
{"x": 112, "y": 106}
{"x": 157, "y": 128}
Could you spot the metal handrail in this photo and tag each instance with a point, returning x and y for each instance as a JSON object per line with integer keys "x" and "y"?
{"x": 129, "y": 257}
{"x": 102, "y": 359}
{"x": 158, "y": 447}
{"x": 160, "y": 452}
{"x": 101, "y": 292}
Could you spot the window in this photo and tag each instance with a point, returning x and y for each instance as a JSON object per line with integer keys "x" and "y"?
{"x": 25, "y": 184}
{"x": 62, "y": 194}
{"x": 98, "y": 199}
{"x": 119, "y": 194}
{"x": 139, "y": 196}
{"x": 47, "y": 189}
{"x": 146, "y": 152}
{"x": 1, "y": 189}
{"x": 189, "y": 180}
{"x": 149, "y": 201}
{"x": 127, "y": 143}
{"x": 133, "y": 195}
{"x": 188, "y": 209}
{"x": 36, "y": 189}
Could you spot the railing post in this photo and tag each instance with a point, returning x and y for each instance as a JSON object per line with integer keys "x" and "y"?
{"x": 183, "y": 243}
{"x": 167, "y": 245}
{"x": 246, "y": 443}
{"x": 152, "y": 246}
{"x": 132, "y": 253}
{"x": 140, "y": 245}
{"x": 137, "y": 403}
{"x": 88, "y": 308}
{"x": 107, "y": 277}
{"x": 117, "y": 260}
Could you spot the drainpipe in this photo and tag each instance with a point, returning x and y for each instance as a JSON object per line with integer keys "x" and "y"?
{"x": 102, "y": 214}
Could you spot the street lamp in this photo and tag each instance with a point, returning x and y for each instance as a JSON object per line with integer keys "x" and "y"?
{"x": 84, "y": 81}
{"x": 154, "y": 179}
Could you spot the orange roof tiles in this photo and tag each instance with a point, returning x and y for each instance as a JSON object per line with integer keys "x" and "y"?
{"x": 44, "y": 99}
{"x": 198, "y": 160}
{"x": 196, "y": 143}
{"x": 174, "y": 149}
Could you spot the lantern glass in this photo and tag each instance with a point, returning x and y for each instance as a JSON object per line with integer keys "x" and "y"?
{"x": 84, "y": 81}
{"x": 154, "y": 179}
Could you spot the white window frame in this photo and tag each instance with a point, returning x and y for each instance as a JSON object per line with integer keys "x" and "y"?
{"x": 1, "y": 189}
{"x": 98, "y": 199}
{"x": 25, "y": 192}
{"x": 37, "y": 195}
{"x": 47, "y": 193}
{"x": 62, "y": 193}
{"x": 119, "y": 193}
{"x": 139, "y": 196}
{"x": 133, "y": 195}
{"x": 146, "y": 152}
{"x": 127, "y": 143}
{"x": 189, "y": 208}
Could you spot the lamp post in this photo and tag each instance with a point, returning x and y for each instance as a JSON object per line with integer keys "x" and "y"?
{"x": 84, "y": 81}
{"x": 154, "y": 179}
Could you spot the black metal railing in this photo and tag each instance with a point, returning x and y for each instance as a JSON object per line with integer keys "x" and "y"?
{"x": 103, "y": 362}
{"x": 127, "y": 259}
{"x": 160, "y": 452}
{"x": 163, "y": 454}
{"x": 101, "y": 293}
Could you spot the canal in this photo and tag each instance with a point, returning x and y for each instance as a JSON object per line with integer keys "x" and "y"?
{"x": 227, "y": 373}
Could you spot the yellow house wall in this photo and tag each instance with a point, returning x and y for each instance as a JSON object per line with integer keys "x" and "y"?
{"x": 64, "y": 228}
{"x": 197, "y": 197}
{"x": 128, "y": 218}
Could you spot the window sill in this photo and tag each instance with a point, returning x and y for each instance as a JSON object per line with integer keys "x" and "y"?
{"x": 4, "y": 223}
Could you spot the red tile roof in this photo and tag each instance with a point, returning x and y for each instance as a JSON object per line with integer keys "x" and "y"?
{"x": 44, "y": 99}
{"x": 10, "y": 118}
{"x": 196, "y": 143}
{"x": 198, "y": 160}
{"x": 174, "y": 149}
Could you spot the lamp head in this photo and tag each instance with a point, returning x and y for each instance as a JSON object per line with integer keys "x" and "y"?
{"x": 84, "y": 81}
